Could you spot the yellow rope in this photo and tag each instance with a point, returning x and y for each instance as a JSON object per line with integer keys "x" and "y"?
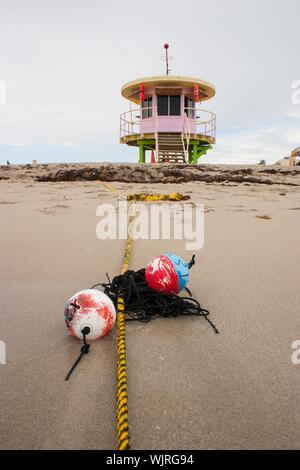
{"x": 122, "y": 392}
{"x": 109, "y": 186}
{"x": 150, "y": 197}
{"x": 122, "y": 396}
{"x": 157, "y": 197}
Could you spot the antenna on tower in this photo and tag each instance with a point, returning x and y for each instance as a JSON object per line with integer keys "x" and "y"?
{"x": 166, "y": 46}
{"x": 167, "y": 58}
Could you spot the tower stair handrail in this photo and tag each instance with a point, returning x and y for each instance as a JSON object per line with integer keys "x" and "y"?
{"x": 185, "y": 137}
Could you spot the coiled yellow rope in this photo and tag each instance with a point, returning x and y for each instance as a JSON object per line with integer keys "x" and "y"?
{"x": 157, "y": 197}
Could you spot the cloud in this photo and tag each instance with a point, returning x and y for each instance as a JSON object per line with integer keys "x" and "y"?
{"x": 64, "y": 61}
{"x": 252, "y": 145}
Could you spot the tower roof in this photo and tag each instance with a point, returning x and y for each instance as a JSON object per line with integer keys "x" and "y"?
{"x": 130, "y": 90}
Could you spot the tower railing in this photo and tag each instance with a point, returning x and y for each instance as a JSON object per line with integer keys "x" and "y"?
{"x": 204, "y": 121}
{"x": 201, "y": 121}
{"x": 130, "y": 122}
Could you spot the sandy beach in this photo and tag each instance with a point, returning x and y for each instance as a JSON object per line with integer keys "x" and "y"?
{"x": 188, "y": 388}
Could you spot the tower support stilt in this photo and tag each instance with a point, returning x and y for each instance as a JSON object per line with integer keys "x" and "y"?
{"x": 142, "y": 154}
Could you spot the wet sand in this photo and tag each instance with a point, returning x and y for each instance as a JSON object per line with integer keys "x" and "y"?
{"x": 188, "y": 388}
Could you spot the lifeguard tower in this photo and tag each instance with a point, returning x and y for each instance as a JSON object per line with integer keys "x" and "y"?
{"x": 169, "y": 121}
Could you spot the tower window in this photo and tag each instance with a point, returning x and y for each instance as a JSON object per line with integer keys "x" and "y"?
{"x": 174, "y": 105}
{"x": 162, "y": 105}
{"x": 147, "y": 108}
{"x": 189, "y": 106}
{"x": 168, "y": 105}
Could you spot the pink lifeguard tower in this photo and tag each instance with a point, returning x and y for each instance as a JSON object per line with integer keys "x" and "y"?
{"x": 169, "y": 121}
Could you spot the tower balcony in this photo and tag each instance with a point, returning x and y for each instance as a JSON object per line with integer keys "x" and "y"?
{"x": 145, "y": 123}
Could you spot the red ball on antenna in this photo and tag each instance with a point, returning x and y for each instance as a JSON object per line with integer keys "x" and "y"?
{"x": 166, "y": 46}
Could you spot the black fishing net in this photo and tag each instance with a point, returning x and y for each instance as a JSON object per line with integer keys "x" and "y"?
{"x": 145, "y": 304}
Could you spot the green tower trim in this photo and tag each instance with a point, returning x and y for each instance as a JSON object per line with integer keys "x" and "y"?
{"x": 145, "y": 144}
{"x": 198, "y": 151}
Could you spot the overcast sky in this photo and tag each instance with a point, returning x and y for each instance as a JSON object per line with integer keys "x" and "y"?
{"x": 63, "y": 63}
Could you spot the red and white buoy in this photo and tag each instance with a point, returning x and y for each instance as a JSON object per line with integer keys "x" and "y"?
{"x": 90, "y": 309}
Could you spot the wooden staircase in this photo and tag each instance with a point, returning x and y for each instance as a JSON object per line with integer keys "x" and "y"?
{"x": 170, "y": 148}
